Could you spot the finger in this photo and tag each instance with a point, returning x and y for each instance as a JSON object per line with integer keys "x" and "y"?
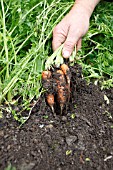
{"x": 72, "y": 39}
{"x": 56, "y": 43}
{"x": 79, "y": 44}
{"x": 58, "y": 38}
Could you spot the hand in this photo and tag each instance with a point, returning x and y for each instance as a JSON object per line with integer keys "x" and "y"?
{"x": 71, "y": 30}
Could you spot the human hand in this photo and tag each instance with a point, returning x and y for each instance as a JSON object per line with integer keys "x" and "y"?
{"x": 71, "y": 30}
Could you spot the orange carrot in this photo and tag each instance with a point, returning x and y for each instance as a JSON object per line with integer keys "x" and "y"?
{"x": 50, "y": 101}
{"x": 61, "y": 78}
{"x": 65, "y": 70}
{"x": 46, "y": 75}
{"x": 61, "y": 89}
{"x": 61, "y": 96}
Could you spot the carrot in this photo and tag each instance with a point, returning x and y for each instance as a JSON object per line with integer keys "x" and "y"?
{"x": 65, "y": 70}
{"x": 61, "y": 89}
{"x": 61, "y": 78}
{"x": 61, "y": 96}
{"x": 50, "y": 101}
{"x": 46, "y": 75}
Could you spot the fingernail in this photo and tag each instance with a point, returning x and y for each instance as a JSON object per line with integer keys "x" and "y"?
{"x": 66, "y": 54}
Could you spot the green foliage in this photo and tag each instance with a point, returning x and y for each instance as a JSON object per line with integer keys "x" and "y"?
{"x": 68, "y": 152}
{"x": 96, "y": 55}
{"x": 45, "y": 116}
{"x": 10, "y": 167}
{"x": 56, "y": 59}
{"x": 73, "y": 115}
{"x": 26, "y": 31}
{"x": 87, "y": 159}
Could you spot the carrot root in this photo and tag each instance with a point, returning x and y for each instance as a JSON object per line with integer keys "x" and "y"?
{"x": 62, "y": 88}
{"x": 50, "y": 101}
{"x": 46, "y": 75}
{"x": 65, "y": 70}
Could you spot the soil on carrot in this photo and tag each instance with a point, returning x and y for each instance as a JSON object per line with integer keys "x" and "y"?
{"x": 82, "y": 138}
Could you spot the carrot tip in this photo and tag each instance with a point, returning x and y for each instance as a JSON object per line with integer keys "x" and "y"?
{"x": 52, "y": 108}
{"x": 61, "y": 108}
{"x": 46, "y": 75}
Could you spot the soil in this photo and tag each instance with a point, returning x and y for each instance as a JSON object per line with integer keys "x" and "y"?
{"x": 80, "y": 139}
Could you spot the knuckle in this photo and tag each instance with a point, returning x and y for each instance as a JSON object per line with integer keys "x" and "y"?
{"x": 78, "y": 32}
{"x": 69, "y": 44}
{"x": 56, "y": 30}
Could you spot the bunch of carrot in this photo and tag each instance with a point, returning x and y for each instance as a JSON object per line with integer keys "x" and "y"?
{"x": 62, "y": 80}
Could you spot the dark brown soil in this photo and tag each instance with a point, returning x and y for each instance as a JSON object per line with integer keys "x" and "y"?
{"x": 81, "y": 139}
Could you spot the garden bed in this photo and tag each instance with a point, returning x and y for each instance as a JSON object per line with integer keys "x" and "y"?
{"x": 81, "y": 138}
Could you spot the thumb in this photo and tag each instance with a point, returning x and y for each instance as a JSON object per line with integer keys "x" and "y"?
{"x": 71, "y": 41}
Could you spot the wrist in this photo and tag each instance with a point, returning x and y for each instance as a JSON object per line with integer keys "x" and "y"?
{"x": 85, "y": 6}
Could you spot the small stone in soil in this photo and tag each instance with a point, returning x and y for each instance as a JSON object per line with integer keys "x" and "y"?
{"x": 1, "y": 133}
{"x": 70, "y": 140}
{"x": 26, "y": 166}
{"x": 64, "y": 118}
{"x": 50, "y": 126}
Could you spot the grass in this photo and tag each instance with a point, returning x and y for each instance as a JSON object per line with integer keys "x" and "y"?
{"x": 10, "y": 167}
{"x": 96, "y": 55}
{"x": 25, "y": 44}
